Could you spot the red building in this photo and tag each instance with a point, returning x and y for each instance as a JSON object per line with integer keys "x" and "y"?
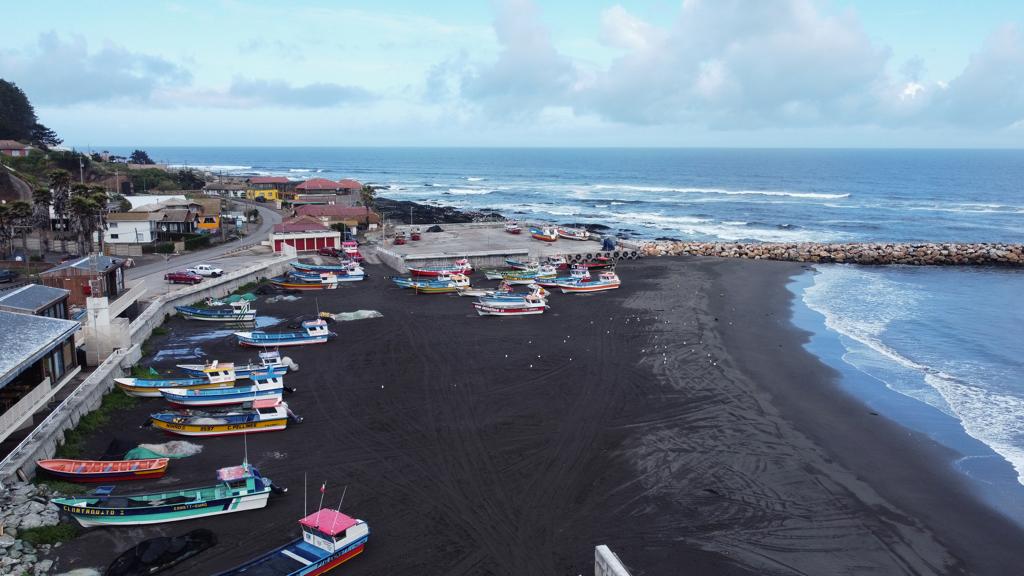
{"x": 305, "y": 234}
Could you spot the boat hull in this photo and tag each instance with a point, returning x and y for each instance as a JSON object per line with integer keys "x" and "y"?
{"x": 261, "y": 343}
{"x": 584, "y": 289}
{"x": 228, "y": 399}
{"x": 321, "y": 566}
{"x": 156, "y": 471}
{"x": 154, "y": 391}
{"x": 212, "y": 315}
{"x": 544, "y": 237}
{"x": 221, "y": 429}
{"x": 516, "y": 310}
{"x": 88, "y": 517}
{"x": 431, "y": 272}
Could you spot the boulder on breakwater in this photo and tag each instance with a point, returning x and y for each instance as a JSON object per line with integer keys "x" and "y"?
{"x": 923, "y": 254}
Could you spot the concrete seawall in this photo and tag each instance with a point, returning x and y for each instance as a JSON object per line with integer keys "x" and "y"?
{"x": 49, "y": 434}
{"x": 924, "y": 254}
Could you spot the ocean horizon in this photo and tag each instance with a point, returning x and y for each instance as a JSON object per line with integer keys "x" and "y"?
{"x": 934, "y": 336}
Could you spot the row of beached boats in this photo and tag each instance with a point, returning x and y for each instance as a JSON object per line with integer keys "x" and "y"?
{"x": 217, "y": 399}
{"x": 549, "y": 233}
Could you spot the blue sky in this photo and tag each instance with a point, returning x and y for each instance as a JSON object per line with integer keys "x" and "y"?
{"x": 524, "y": 72}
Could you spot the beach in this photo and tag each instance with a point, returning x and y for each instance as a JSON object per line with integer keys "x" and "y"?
{"x": 678, "y": 420}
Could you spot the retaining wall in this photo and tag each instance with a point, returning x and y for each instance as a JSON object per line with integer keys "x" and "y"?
{"x": 606, "y": 563}
{"x": 925, "y": 254}
{"x": 43, "y": 441}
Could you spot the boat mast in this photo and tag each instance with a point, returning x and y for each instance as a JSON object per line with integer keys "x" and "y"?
{"x": 338, "y": 510}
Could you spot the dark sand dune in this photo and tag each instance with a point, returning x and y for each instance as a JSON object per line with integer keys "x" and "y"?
{"x": 677, "y": 419}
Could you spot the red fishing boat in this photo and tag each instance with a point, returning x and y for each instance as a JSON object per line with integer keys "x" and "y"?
{"x": 104, "y": 470}
{"x": 513, "y": 228}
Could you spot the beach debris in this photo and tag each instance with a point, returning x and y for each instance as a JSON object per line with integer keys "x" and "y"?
{"x": 172, "y": 449}
{"x": 282, "y": 298}
{"x": 349, "y": 316}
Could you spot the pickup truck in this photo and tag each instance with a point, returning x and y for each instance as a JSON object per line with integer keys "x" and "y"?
{"x": 333, "y": 252}
{"x": 183, "y": 277}
{"x": 205, "y": 270}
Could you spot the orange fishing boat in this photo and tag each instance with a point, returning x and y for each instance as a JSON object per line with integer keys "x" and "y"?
{"x": 104, "y": 470}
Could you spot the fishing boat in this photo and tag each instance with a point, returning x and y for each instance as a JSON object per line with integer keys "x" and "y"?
{"x": 239, "y": 488}
{"x": 352, "y": 273}
{"x": 104, "y": 470}
{"x": 215, "y": 375}
{"x": 605, "y": 281}
{"x": 270, "y": 364}
{"x": 522, "y": 276}
{"x": 559, "y": 262}
{"x": 573, "y": 233}
{"x": 598, "y": 263}
{"x": 263, "y": 389}
{"x": 238, "y": 311}
{"x": 313, "y": 332}
{"x": 294, "y": 281}
{"x": 576, "y": 273}
{"x": 224, "y": 421}
{"x": 527, "y": 305}
{"x": 452, "y": 284}
{"x": 460, "y": 266}
{"x": 350, "y": 249}
{"x": 329, "y": 539}
{"x": 544, "y": 234}
{"x": 522, "y": 264}
{"x": 336, "y": 268}
{"x": 513, "y": 228}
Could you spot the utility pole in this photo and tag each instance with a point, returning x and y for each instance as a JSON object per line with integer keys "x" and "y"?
{"x": 81, "y": 170}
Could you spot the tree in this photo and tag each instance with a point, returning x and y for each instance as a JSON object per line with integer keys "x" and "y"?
{"x": 6, "y": 228}
{"x": 367, "y": 195}
{"x": 140, "y": 157}
{"x": 188, "y": 180}
{"x": 60, "y": 185}
{"x": 21, "y": 219}
{"x": 87, "y": 207}
{"x": 122, "y": 203}
{"x": 42, "y": 198}
{"x": 18, "y": 118}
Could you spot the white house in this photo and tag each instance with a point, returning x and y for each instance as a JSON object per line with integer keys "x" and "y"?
{"x": 131, "y": 227}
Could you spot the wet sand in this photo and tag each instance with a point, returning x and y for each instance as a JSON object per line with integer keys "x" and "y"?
{"x": 678, "y": 420}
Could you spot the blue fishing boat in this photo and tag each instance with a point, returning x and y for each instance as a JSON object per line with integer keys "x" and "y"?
{"x": 270, "y": 365}
{"x": 306, "y": 281}
{"x": 239, "y": 311}
{"x": 263, "y": 389}
{"x": 343, "y": 267}
{"x": 352, "y": 275}
{"x": 215, "y": 375}
{"x": 263, "y": 416}
{"x": 239, "y": 488}
{"x": 329, "y": 538}
{"x": 313, "y": 332}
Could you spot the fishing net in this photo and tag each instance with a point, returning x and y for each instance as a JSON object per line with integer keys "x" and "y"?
{"x": 172, "y": 449}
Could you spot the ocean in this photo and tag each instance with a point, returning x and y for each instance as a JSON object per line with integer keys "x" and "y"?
{"x": 938, "y": 349}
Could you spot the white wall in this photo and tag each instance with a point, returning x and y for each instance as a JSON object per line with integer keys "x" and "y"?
{"x": 128, "y": 232}
{"x": 137, "y": 201}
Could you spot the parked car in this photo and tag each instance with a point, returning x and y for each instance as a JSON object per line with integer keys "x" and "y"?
{"x": 7, "y": 275}
{"x": 205, "y": 270}
{"x": 333, "y": 252}
{"x": 183, "y": 277}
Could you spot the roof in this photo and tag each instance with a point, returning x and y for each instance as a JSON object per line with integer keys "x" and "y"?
{"x": 300, "y": 224}
{"x": 11, "y": 145}
{"x": 103, "y": 263}
{"x": 27, "y": 338}
{"x": 145, "y": 199}
{"x": 334, "y": 211}
{"x": 348, "y": 184}
{"x": 210, "y": 206}
{"x": 268, "y": 180}
{"x": 224, "y": 186}
{"x": 177, "y": 215}
{"x": 133, "y": 216}
{"x": 319, "y": 184}
{"x": 32, "y": 297}
{"x": 330, "y": 522}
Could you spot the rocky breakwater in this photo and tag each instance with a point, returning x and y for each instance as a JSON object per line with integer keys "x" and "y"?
{"x": 23, "y": 507}
{"x": 926, "y": 254}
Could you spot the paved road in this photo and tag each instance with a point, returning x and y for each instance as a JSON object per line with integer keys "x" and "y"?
{"x": 153, "y": 273}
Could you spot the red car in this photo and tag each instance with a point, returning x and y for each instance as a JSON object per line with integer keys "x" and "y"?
{"x": 182, "y": 277}
{"x": 328, "y": 251}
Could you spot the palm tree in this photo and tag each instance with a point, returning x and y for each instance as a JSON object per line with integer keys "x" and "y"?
{"x": 42, "y": 198}
{"x": 60, "y": 185}
{"x": 20, "y": 214}
{"x": 366, "y": 197}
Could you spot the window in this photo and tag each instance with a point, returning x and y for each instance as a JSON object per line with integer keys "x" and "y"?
{"x": 113, "y": 236}
{"x": 111, "y": 224}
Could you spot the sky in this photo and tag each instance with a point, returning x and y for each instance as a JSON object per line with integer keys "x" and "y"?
{"x": 731, "y": 73}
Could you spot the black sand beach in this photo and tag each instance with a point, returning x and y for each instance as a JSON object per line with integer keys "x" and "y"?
{"x": 678, "y": 420}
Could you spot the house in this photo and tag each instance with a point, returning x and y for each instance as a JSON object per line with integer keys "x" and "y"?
{"x": 13, "y": 148}
{"x": 319, "y": 185}
{"x": 225, "y": 189}
{"x": 93, "y": 275}
{"x": 209, "y": 214}
{"x": 349, "y": 186}
{"x": 176, "y": 222}
{"x": 350, "y": 216}
{"x": 37, "y": 358}
{"x": 296, "y": 199}
{"x": 38, "y": 300}
{"x": 269, "y": 188}
{"x": 157, "y": 201}
{"x": 131, "y": 227}
{"x": 305, "y": 234}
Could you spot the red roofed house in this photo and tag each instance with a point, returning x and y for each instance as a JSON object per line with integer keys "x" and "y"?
{"x": 324, "y": 191}
{"x": 350, "y": 186}
{"x": 350, "y": 216}
{"x": 270, "y": 188}
{"x": 305, "y": 234}
{"x": 12, "y": 148}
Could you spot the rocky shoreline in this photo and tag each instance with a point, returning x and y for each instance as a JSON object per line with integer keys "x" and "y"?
{"x": 399, "y": 211}
{"x": 24, "y": 506}
{"x": 924, "y": 254}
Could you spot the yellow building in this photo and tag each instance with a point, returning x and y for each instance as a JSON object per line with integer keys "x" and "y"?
{"x": 270, "y": 195}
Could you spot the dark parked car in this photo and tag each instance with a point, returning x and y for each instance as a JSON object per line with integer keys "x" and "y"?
{"x": 182, "y": 277}
{"x": 8, "y": 275}
{"x": 333, "y": 252}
